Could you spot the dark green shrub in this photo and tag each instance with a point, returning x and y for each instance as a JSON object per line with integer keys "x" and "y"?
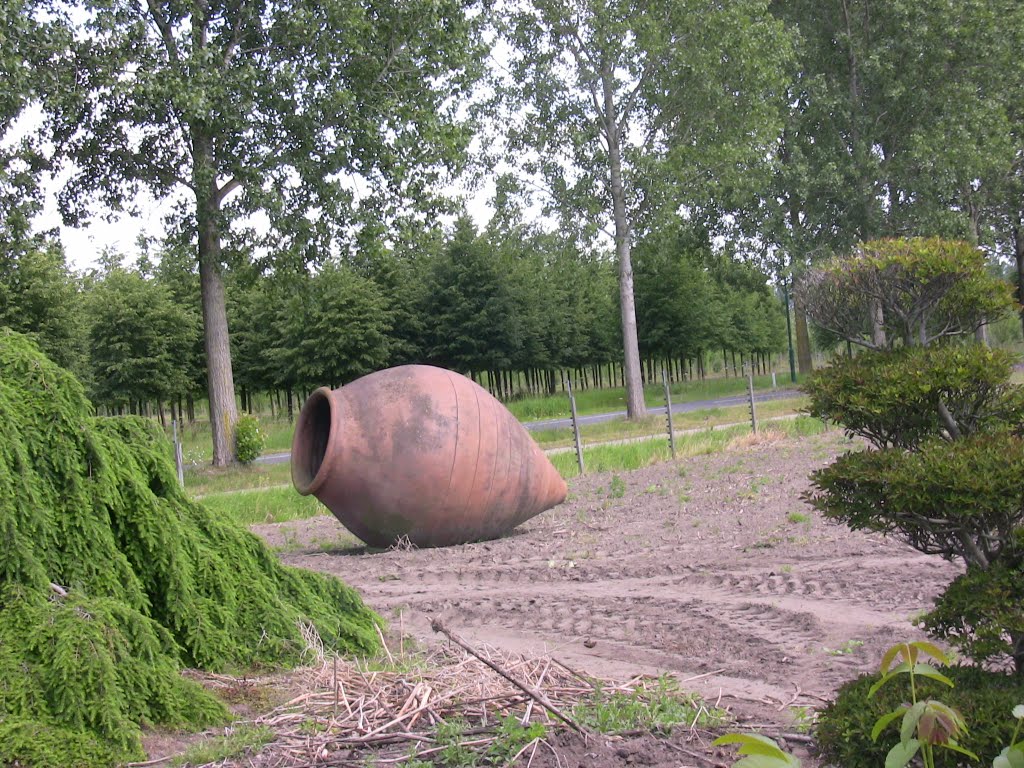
{"x": 943, "y": 419}
{"x": 926, "y": 288}
{"x": 959, "y": 498}
{"x": 981, "y": 613}
{"x": 892, "y": 398}
{"x": 249, "y": 439}
{"x": 42, "y": 745}
{"x": 985, "y": 699}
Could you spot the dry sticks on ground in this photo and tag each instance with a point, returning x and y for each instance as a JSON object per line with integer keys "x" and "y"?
{"x": 351, "y": 709}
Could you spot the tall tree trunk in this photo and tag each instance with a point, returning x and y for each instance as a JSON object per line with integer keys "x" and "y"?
{"x": 974, "y": 236}
{"x": 1018, "y": 254}
{"x": 630, "y": 345}
{"x": 878, "y": 325}
{"x": 805, "y": 363}
{"x": 221, "y": 387}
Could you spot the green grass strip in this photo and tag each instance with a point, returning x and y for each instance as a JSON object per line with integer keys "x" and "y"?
{"x": 609, "y": 458}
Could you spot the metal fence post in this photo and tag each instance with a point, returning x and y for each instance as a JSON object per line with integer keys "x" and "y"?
{"x": 750, "y": 392}
{"x": 668, "y": 413}
{"x": 575, "y": 423}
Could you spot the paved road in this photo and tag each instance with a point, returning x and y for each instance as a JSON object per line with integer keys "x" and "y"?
{"x": 694, "y": 405}
{"x": 597, "y": 418}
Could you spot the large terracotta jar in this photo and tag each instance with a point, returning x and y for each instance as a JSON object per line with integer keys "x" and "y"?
{"x": 421, "y": 453}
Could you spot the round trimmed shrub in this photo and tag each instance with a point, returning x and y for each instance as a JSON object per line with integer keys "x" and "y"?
{"x": 985, "y": 699}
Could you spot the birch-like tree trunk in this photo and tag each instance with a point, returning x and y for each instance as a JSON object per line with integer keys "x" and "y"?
{"x": 635, "y": 407}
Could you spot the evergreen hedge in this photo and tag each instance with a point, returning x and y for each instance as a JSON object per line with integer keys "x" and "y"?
{"x": 111, "y": 580}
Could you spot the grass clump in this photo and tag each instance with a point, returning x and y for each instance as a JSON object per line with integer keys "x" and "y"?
{"x": 634, "y": 455}
{"x": 204, "y": 481}
{"x": 243, "y": 740}
{"x": 614, "y": 398}
{"x": 658, "y": 708}
{"x": 266, "y": 505}
{"x": 111, "y": 580}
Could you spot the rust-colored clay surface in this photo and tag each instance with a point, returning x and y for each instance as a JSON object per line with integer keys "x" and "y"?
{"x": 423, "y": 453}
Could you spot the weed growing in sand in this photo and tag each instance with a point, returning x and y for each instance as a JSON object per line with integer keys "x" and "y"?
{"x": 804, "y": 718}
{"x": 291, "y": 541}
{"x": 658, "y": 708}
{"x": 313, "y": 726}
{"x": 847, "y": 648}
{"x": 454, "y": 749}
{"x": 338, "y": 543}
{"x": 617, "y": 487}
{"x": 757, "y": 484}
{"x": 245, "y": 739}
{"x": 511, "y": 739}
{"x": 798, "y": 517}
{"x": 450, "y": 736}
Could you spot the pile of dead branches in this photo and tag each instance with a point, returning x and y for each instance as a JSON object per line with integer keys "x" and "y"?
{"x": 392, "y": 710}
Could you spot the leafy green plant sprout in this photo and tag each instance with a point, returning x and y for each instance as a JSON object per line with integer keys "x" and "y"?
{"x": 757, "y": 751}
{"x": 935, "y": 724}
{"x": 798, "y": 517}
{"x": 450, "y": 735}
{"x": 658, "y": 708}
{"x": 1013, "y": 755}
{"x": 845, "y": 649}
{"x": 804, "y": 718}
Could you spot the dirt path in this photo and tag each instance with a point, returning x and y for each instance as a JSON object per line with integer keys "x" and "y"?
{"x": 711, "y": 569}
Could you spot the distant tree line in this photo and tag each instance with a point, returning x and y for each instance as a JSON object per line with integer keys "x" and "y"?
{"x": 513, "y": 309}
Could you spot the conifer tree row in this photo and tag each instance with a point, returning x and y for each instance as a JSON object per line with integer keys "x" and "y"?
{"x": 514, "y": 311}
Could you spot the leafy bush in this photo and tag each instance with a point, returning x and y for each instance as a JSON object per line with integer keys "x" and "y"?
{"x": 981, "y": 611}
{"x": 249, "y": 439}
{"x": 959, "y": 498}
{"x": 892, "y": 398}
{"x": 984, "y": 699}
{"x": 926, "y": 289}
{"x": 944, "y": 421}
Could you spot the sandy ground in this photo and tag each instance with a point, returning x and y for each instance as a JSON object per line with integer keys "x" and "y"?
{"x": 711, "y": 569}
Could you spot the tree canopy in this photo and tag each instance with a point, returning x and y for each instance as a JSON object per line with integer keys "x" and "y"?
{"x": 253, "y": 107}
{"x": 628, "y": 109}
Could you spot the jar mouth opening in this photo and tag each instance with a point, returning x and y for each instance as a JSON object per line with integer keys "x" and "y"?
{"x": 309, "y": 446}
